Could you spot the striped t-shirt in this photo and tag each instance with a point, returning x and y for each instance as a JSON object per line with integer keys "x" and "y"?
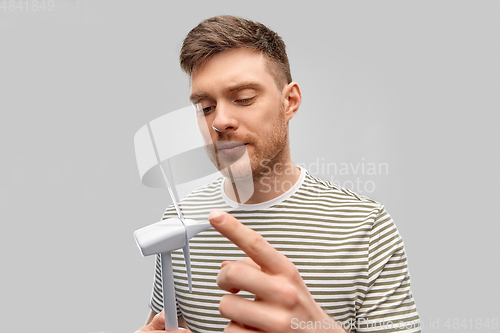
{"x": 345, "y": 246}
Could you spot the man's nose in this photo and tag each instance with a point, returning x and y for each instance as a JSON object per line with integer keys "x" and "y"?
{"x": 225, "y": 118}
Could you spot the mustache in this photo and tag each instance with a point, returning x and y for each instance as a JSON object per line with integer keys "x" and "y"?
{"x": 232, "y": 138}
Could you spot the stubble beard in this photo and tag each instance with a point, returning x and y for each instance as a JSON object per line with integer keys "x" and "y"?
{"x": 272, "y": 153}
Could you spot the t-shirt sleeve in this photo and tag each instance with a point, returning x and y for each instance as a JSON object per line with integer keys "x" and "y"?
{"x": 388, "y": 305}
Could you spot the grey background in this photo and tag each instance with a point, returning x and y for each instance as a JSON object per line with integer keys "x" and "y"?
{"x": 412, "y": 84}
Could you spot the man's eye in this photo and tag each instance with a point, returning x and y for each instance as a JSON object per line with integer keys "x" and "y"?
{"x": 204, "y": 110}
{"x": 245, "y": 100}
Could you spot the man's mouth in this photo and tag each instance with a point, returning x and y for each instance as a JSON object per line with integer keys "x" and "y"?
{"x": 230, "y": 148}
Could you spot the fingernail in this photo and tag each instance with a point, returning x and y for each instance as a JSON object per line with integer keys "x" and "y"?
{"x": 217, "y": 216}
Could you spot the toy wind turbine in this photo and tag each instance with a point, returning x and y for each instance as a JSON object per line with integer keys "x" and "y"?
{"x": 172, "y": 145}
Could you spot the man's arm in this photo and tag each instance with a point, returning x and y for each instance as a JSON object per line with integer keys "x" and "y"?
{"x": 388, "y": 303}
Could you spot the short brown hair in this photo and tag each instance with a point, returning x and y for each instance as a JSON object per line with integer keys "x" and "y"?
{"x": 227, "y": 32}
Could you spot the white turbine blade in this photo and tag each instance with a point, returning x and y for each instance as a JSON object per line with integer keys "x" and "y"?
{"x": 165, "y": 178}
{"x": 170, "y": 191}
{"x": 167, "y": 280}
{"x": 187, "y": 262}
{"x": 192, "y": 229}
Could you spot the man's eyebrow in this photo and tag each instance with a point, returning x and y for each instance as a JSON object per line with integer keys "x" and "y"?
{"x": 194, "y": 98}
{"x": 243, "y": 85}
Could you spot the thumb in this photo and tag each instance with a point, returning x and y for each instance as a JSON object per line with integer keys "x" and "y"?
{"x": 158, "y": 322}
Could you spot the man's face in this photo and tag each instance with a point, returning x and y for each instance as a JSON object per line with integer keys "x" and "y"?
{"x": 236, "y": 93}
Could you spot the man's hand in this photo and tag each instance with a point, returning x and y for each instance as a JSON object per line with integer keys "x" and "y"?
{"x": 280, "y": 293}
{"x": 157, "y": 325}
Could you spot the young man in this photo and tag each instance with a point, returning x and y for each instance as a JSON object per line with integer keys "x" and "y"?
{"x": 299, "y": 254}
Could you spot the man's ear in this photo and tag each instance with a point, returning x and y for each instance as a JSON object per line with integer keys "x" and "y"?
{"x": 293, "y": 98}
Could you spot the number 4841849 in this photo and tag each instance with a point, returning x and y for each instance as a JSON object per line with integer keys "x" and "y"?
{"x": 27, "y": 5}
{"x": 469, "y": 323}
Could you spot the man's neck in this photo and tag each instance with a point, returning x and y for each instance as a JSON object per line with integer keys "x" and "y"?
{"x": 268, "y": 186}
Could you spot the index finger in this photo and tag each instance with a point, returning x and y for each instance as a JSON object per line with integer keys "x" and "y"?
{"x": 251, "y": 242}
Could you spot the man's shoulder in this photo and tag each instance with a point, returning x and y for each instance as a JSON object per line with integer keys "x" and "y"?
{"x": 320, "y": 189}
{"x": 330, "y": 201}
